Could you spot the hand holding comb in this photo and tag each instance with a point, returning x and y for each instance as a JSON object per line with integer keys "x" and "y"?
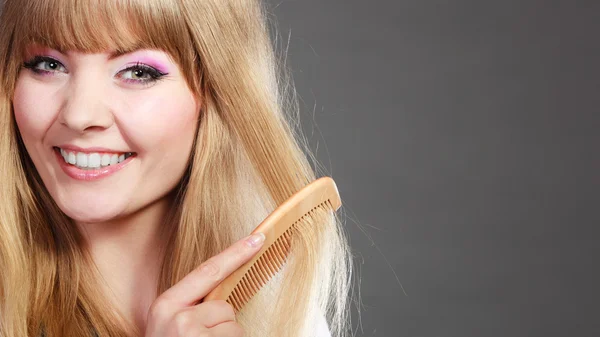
{"x": 279, "y": 227}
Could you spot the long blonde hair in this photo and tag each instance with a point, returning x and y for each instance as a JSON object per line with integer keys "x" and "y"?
{"x": 248, "y": 157}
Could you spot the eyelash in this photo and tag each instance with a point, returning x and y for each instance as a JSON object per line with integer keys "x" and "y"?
{"x": 154, "y": 74}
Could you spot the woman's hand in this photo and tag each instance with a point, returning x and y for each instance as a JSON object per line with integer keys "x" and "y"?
{"x": 175, "y": 312}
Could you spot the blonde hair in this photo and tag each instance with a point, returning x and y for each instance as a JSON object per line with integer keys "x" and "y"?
{"x": 248, "y": 157}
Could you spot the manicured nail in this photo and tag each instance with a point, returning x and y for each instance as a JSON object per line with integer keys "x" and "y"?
{"x": 256, "y": 239}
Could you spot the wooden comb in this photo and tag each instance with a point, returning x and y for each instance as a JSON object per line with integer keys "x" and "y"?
{"x": 240, "y": 286}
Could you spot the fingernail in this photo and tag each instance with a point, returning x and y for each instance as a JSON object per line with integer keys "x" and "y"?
{"x": 256, "y": 239}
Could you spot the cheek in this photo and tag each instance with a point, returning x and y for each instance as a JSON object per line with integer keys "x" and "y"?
{"x": 162, "y": 129}
{"x": 160, "y": 122}
{"x": 32, "y": 107}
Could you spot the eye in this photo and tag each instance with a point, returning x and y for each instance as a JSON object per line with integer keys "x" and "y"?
{"x": 140, "y": 73}
{"x": 136, "y": 74}
{"x": 44, "y": 65}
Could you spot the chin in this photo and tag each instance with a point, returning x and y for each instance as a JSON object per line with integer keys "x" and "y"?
{"x": 91, "y": 211}
{"x": 83, "y": 217}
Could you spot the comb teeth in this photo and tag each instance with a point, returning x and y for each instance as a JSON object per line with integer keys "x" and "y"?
{"x": 269, "y": 263}
{"x": 294, "y": 215}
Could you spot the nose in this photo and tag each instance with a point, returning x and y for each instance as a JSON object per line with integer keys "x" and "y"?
{"x": 86, "y": 107}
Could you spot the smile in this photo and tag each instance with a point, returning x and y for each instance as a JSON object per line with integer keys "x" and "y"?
{"x": 91, "y": 166}
{"x": 91, "y": 161}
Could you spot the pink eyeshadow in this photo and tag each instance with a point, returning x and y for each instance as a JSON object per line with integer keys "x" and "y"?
{"x": 154, "y": 63}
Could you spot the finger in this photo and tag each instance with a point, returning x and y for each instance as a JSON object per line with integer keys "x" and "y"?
{"x": 197, "y": 284}
{"x": 214, "y": 312}
{"x": 228, "y": 329}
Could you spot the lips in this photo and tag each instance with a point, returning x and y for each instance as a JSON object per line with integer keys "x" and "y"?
{"x": 91, "y": 173}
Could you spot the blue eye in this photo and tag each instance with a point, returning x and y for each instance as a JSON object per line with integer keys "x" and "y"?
{"x": 44, "y": 65}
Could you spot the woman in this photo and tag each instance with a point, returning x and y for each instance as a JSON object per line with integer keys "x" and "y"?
{"x": 140, "y": 141}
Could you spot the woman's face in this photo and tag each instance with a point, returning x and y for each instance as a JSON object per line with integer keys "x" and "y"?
{"x": 108, "y": 134}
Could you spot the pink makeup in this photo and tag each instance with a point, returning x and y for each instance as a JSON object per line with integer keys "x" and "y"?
{"x": 147, "y": 60}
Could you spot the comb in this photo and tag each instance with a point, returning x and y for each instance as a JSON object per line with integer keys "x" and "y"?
{"x": 240, "y": 286}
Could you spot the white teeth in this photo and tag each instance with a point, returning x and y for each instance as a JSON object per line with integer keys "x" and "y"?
{"x": 114, "y": 159}
{"x": 82, "y": 159}
{"x": 71, "y": 158}
{"x": 92, "y": 160}
{"x": 105, "y": 160}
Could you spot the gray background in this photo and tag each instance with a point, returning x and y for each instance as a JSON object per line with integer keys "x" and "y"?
{"x": 463, "y": 137}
